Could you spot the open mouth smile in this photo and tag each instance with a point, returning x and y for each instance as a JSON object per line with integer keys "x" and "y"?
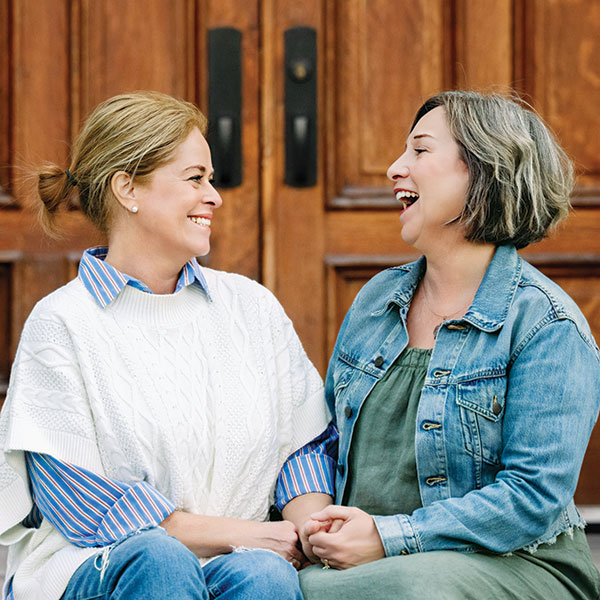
{"x": 406, "y": 197}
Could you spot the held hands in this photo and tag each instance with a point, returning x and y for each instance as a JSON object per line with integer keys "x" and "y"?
{"x": 343, "y": 535}
{"x": 312, "y": 527}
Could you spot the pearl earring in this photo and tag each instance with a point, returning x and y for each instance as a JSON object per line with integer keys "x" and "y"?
{"x": 134, "y": 209}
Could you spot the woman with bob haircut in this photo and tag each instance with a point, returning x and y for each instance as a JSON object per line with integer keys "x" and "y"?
{"x": 480, "y": 376}
{"x": 156, "y": 409}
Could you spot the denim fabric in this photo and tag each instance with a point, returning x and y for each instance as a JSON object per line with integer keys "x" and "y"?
{"x": 151, "y": 565}
{"x": 510, "y": 398}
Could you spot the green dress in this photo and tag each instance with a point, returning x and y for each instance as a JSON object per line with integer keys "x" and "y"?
{"x": 378, "y": 485}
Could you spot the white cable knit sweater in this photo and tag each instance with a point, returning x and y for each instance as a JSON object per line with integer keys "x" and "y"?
{"x": 202, "y": 398}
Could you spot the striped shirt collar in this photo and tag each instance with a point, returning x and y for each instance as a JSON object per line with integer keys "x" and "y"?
{"x": 105, "y": 283}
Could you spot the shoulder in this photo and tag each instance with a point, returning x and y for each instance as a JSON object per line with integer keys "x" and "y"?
{"x": 223, "y": 286}
{"x": 64, "y": 302}
{"x": 547, "y": 295}
{"x": 540, "y": 299}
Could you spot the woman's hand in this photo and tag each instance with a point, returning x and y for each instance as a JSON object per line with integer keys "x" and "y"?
{"x": 279, "y": 536}
{"x": 355, "y": 542}
{"x": 208, "y": 536}
{"x": 311, "y": 527}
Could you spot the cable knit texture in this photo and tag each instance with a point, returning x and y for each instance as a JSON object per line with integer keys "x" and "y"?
{"x": 203, "y": 398}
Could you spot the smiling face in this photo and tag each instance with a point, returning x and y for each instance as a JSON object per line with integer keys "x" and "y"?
{"x": 176, "y": 206}
{"x": 431, "y": 181}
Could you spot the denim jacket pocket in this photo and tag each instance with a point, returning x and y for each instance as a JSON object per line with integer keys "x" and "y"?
{"x": 481, "y": 402}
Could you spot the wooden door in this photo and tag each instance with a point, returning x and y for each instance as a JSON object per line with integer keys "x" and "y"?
{"x": 58, "y": 59}
{"x": 378, "y": 60}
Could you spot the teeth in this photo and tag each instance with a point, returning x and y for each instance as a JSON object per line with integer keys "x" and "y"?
{"x": 200, "y": 220}
{"x": 406, "y": 194}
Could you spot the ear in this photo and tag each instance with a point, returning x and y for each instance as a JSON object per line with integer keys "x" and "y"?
{"x": 121, "y": 185}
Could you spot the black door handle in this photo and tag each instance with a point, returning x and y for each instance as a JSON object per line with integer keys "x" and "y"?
{"x": 300, "y": 106}
{"x": 301, "y": 149}
{"x": 225, "y": 104}
{"x": 224, "y": 143}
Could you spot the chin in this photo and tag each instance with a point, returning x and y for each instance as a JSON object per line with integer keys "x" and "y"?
{"x": 407, "y": 237}
{"x": 201, "y": 251}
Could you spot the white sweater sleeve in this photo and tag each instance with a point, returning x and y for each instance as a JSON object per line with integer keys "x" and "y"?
{"x": 46, "y": 411}
{"x": 300, "y": 386}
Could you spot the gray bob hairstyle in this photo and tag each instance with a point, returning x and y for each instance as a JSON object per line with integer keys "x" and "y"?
{"x": 520, "y": 179}
{"x": 136, "y": 133}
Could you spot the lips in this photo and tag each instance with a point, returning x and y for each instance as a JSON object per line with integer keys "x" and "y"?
{"x": 406, "y": 197}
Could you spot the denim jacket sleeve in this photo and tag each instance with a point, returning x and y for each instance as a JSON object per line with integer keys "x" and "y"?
{"x": 551, "y": 405}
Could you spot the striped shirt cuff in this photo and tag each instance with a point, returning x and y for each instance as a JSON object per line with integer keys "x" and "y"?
{"x": 91, "y": 510}
{"x": 311, "y": 469}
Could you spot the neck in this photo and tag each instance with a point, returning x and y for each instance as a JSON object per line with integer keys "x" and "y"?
{"x": 453, "y": 277}
{"x": 153, "y": 270}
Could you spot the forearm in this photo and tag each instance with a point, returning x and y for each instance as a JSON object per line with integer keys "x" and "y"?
{"x": 206, "y": 535}
{"x": 299, "y": 509}
{"x": 209, "y": 536}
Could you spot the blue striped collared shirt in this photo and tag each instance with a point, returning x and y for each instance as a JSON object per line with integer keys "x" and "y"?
{"x": 93, "y": 511}
{"x": 104, "y": 282}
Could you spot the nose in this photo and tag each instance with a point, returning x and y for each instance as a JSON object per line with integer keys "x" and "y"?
{"x": 213, "y": 197}
{"x": 398, "y": 169}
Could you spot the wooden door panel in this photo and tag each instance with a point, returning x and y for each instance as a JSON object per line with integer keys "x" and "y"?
{"x": 125, "y": 46}
{"x": 562, "y": 76}
{"x": 38, "y": 100}
{"x": 384, "y": 66}
{"x": 5, "y": 116}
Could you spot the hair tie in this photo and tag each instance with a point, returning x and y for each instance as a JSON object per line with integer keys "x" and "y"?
{"x": 70, "y": 178}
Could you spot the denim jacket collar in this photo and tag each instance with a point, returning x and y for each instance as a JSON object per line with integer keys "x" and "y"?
{"x": 492, "y": 301}
{"x": 496, "y": 291}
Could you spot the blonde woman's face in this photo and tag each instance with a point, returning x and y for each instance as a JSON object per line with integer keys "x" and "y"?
{"x": 176, "y": 208}
{"x": 431, "y": 181}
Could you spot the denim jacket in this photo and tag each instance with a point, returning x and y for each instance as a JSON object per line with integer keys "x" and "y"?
{"x": 510, "y": 398}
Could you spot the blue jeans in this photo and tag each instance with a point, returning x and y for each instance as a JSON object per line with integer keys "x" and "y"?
{"x": 153, "y": 565}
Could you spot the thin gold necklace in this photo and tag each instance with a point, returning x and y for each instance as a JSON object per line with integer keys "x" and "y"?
{"x": 442, "y": 317}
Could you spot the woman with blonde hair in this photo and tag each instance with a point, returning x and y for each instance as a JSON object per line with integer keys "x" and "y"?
{"x": 156, "y": 409}
{"x": 480, "y": 376}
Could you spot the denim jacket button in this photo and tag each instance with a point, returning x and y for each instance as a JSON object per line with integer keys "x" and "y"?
{"x": 404, "y": 552}
{"x": 496, "y": 407}
{"x": 378, "y": 361}
{"x": 348, "y": 411}
{"x": 431, "y": 481}
{"x": 429, "y": 425}
{"x": 441, "y": 373}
